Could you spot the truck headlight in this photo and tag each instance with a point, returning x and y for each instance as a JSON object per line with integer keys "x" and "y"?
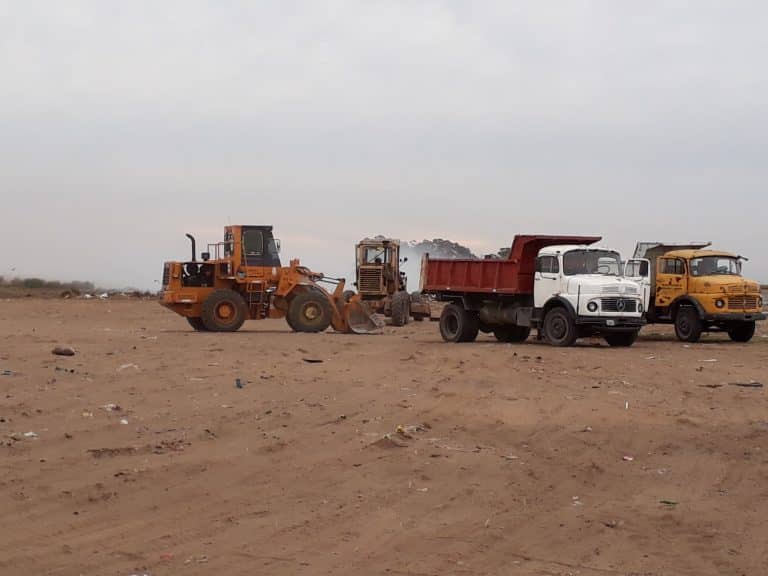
{"x": 720, "y": 303}
{"x": 592, "y": 306}
{"x": 640, "y": 307}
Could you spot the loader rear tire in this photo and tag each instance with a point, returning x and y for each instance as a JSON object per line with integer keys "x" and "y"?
{"x": 309, "y": 312}
{"x": 401, "y": 308}
{"x": 224, "y": 311}
{"x": 458, "y": 324}
{"x": 197, "y": 324}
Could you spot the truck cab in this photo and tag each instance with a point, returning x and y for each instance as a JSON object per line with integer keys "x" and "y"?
{"x": 696, "y": 289}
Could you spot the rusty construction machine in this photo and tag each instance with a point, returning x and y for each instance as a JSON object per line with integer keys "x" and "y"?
{"x": 241, "y": 278}
{"x": 382, "y": 285}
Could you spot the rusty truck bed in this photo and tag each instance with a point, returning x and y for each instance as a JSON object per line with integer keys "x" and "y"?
{"x": 513, "y": 275}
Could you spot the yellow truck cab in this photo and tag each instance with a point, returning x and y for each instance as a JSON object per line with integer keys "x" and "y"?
{"x": 696, "y": 289}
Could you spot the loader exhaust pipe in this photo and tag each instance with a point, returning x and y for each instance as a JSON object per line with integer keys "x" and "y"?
{"x": 194, "y": 251}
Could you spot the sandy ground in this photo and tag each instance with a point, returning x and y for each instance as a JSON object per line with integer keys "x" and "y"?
{"x": 521, "y": 459}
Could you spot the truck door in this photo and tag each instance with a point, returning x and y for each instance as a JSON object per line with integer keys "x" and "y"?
{"x": 639, "y": 270}
{"x": 546, "y": 281}
{"x": 671, "y": 280}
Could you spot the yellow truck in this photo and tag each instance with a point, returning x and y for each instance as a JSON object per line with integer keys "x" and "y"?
{"x": 696, "y": 289}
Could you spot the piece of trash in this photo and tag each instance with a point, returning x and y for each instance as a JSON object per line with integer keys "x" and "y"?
{"x": 650, "y": 357}
{"x": 63, "y": 351}
{"x": 103, "y": 296}
{"x": 400, "y": 430}
{"x": 746, "y": 384}
{"x": 510, "y": 457}
{"x": 111, "y": 407}
{"x": 124, "y": 421}
{"x": 312, "y": 360}
{"x": 8, "y": 372}
{"x": 710, "y": 360}
{"x": 422, "y": 489}
{"x": 197, "y": 559}
{"x": 129, "y": 365}
{"x": 587, "y": 429}
{"x": 627, "y": 458}
{"x": 626, "y": 405}
{"x": 30, "y": 435}
{"x": 668, "y": 502}
{"x": 711, "y": 385}
{"x": 87, "y": 296}
{"x": 238, "y": 383}
{"x": 387, "y": 441}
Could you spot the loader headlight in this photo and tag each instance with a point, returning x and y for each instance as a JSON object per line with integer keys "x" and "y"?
{"x": 592, "y": 306}
{"x": 759, "y": 301}
{"x": 720, "y": 303}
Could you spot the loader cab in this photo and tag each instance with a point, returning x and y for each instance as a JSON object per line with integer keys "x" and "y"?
{"x": 378, "y": 267}
{"x": 255, "y": 245}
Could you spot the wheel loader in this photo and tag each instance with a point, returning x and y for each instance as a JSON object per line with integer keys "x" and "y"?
{"x": 382, "y": 285}
{"x": 241, "y": 278}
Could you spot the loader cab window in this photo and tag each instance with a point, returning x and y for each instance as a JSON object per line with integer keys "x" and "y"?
{"x": 376, "y": 255}
{"x": 253, "y": 242}
{"x": 672, "y": 266}
{"x": 547, "y": 265}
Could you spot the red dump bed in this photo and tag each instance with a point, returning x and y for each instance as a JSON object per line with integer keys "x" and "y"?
{"x": 511, "y": 276}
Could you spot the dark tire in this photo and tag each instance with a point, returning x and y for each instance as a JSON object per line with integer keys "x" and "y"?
{"x": 458, "y": 324}
{"x": 417, "y": 298}
{"x": 742, "y": 332}
{"x": 401, "y": 308}
{"x": 559, "y": 327}
{"x": 621, "y": 339}
{"x": 224, "y": 311}
{"x": 309, "y": 311}
{"x": 688, "y": 325}
{"x": 512, "y": 333}
{"x": 197, "y": 324}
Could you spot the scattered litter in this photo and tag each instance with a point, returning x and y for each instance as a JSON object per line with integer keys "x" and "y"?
{"x": 710, "y": 360}
{"x": 711, "y": 385}
{"x": 196, "y": 559}
{"x": 30, "y": 435}
{"x": 111, "y": 407}
{"x": 124, "y": 421}
{"x": 587, "y": 429}
{"x": 103, "y": 296}
{"x": 63, "y": 351}
{"x": 422, "y": 489}
{"x": 650, "y": 358}
{"x": 387, "y": 441}
{"x": 626, "y": 405}
{"x": 746, "y": 384}
{"x": 668, "y": 502}
{"x": 7, "y": 373}
{"x": 87, "y": 296}
{"x": 312, "y": 360}
{"x": 627, "y": 458}
{"x": 87, "y": 414}
{"x": 239, "y": 383}
{"x": 510, "y": 457}
{"x": 129, "y": 365}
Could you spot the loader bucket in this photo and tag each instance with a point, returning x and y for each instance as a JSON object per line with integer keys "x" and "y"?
{"x": 358, "y": 319}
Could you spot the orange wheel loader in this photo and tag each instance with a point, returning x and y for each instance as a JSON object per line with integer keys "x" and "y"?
{"x": 241, "y": 278}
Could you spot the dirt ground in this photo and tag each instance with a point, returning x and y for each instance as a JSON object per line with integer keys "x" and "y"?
{"x": 146, "y": 458}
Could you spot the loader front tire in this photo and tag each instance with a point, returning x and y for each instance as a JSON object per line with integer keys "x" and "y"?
{"x": 401, "y": 308}
{"x": 309, "y": 312}
{"x": 197, "y": 324}
{"x": 224, "y": 311}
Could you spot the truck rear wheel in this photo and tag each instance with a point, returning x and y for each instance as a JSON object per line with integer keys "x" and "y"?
{"x": 512, "y": 333}
{"x": 688, "y": 325}
{"x": 458, "y": 324}
{"x": 559, "y": 327}
{"x": 621, "y": 339}
{"x": 224, "y": 311}
{"x": 309, "y": 311}
{"x": 742, "y": 332}
{"x": 197, "y": 324}
{"x": 401, "y": 308}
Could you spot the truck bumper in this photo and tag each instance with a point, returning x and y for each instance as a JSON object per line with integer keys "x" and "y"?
{"x": 732, "y": 317}
{"x": 604, "y": 324}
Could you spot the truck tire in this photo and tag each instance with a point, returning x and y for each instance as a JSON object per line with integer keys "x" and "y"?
{"x": 197, "y": 324}
{"x": 458, "y": 324}
{"x": 559, "y": 327}
{"x": 688, "y": 325}
{"x": 401, "y": 308}
{"x": 742, "y": 332}
{"x": 512, "y": 333}
{"x": 309, "y": 311}
{"x": 621, "y": 339}
{"x": 224, "y": 311}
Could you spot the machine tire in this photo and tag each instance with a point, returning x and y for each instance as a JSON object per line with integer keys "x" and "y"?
{"x": 401, "y": 308}
{"x": 417, "y": 298}
{"x": 509, "y": 333}
{"x": 309, "y": 311}
{"x": 224, "y": 311}
{"x": 458, "y": 324}
{"x": 742, "y": 332}
{"x": 621, "y": 339}
{"x": 197, "y": 324}
{"x": 688, "y": 325}
{"x": 559, "y": 327}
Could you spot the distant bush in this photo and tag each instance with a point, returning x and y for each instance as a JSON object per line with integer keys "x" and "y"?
{"x": 33, "y": 283}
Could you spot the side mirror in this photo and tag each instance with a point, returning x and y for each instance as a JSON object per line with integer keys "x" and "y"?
{"x": 277, "y": 244}
{"x": 205, "y": 256}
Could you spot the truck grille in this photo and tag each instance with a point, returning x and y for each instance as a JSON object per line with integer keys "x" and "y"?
{"x": 618, "y": 305}
{"x": 742, "y": 302}
{"x": 369, "y": 280}
{"x": 166, "y": 274}
{"x": 611, "y": 290}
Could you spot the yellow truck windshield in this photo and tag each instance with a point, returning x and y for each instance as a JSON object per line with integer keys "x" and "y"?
{"x": 715, "y": 265}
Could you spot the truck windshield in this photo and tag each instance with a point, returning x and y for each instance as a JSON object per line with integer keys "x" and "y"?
{"x": 591, "y": 262}
{"x": 715, "y": 265}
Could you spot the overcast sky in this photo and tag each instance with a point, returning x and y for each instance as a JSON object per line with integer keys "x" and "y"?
{"x": 124, "y": 125}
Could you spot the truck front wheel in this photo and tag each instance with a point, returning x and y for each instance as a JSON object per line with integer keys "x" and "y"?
{"x": 621, "y": 339}
{"x": 559, "y": 327}
{"x": 742, "y": 332}
{"x": 458, "y": 324}
{"x": 688, "y": 325}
